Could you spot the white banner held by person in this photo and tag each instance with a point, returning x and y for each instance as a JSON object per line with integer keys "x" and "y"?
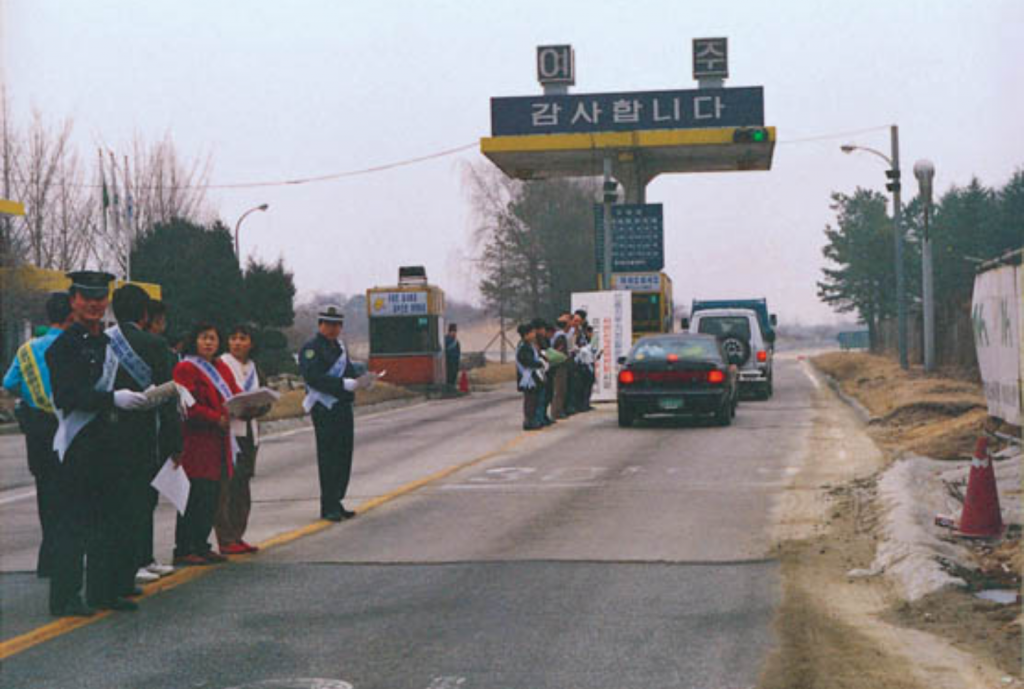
{"x": 996, "y": 318}
{"x": 611, "y": 315}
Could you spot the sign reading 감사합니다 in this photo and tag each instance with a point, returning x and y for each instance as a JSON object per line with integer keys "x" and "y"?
{"x": 398, "y": 304}
{"x": 641, "y": 110}
{"x": 997, "y": 320}
{"x": 638, "y": 237}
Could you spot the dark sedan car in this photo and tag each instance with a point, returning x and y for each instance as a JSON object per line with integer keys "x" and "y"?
{"x": 677, "y": 374}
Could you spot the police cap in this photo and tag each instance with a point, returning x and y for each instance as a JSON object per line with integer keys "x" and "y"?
{"x": 92, "y": 284}
{"x": 331, "y": 314}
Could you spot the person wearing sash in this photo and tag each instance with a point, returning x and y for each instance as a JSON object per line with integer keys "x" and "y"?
{"x": 82, "y": 373}
{"x": 530, "y": 369}
{"x": 29, "y": 378}
{"x": 330, "y": 391}
{"x": 143, "y": 436}
{"x": 235, "y": 497}
{"x": 208, "y": 450}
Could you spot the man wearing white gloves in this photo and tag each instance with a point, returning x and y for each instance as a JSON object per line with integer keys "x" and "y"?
{"x": 82, "y": 373}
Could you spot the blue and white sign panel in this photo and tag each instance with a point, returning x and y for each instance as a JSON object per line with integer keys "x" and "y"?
{"x": 398, "y": 304}
{"x": 637, "y": 282}
{"x": 638, "y": 237}
{"x": 613, "y": 112}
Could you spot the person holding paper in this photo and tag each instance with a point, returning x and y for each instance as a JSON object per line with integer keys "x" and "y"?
{"x": 142, "y": 363}
{"x": 331, "y": 383}
{"x": 207, "y": 452}
{"x": 235, "y": 498}
{"x": 82, "y": 372}
{"x": 29, "y": 378}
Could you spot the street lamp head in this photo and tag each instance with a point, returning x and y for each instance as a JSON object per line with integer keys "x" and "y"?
{"x": 924, "y": 170}
{"x": 847, "y": 148}
{"x": 264, "y": 206}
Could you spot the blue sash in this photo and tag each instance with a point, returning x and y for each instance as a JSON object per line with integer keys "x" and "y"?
{"x": 251, "y": 381}
{"x": 212, "y": 375}
{"x": 131, "y": 362}
{"x": 313, "y": 395}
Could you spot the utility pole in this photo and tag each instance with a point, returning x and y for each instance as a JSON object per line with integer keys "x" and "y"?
{"x": 609, "y": 192}
{"x": 924, "y": 170}
{"x": 897, "y": 219}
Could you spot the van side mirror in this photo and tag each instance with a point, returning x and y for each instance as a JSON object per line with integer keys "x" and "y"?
{"x": 684, "y": 323}
{"x": 773, "y": 319}
{"x": 621, "y": 360}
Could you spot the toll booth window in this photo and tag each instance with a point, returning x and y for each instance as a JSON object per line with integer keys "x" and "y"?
{"x": 404, "y": 335}
{"x": 646, "y": 311}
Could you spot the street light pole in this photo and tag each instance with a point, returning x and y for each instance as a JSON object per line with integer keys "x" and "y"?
{"x": 238, "y": 225}
{"x": 893, "y": 173}
{"x": 924, "y": 170}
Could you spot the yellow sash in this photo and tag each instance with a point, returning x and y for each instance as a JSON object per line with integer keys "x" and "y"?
{"x": 33, "y": 378}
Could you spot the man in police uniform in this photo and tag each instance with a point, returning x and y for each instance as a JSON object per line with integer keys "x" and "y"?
{"x": 142, "y": 361}
{"x": 29, "y": 378}
{"x": 82, "y": 372}
{"x": 331, "y": 382}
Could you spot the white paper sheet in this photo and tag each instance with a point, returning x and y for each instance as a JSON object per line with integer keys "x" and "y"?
{"x": 244, "y": 403}
{"x": 172, "y": 483}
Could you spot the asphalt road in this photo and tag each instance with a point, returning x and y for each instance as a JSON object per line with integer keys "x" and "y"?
{"x": 582, "y": 556}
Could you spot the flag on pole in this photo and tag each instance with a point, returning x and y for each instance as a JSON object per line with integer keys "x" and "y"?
{"x": 116, "y": 205}
{"x": 105, "y": 194}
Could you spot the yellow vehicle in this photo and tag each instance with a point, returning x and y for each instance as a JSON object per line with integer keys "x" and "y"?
{"x": 652, "y": 301}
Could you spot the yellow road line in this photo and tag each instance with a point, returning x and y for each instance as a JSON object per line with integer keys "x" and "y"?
{"x": 62, "y": 626}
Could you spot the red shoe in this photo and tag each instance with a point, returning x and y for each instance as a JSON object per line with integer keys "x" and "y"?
{"x": 234, "y": 549}
{"x": 249, "y": 547}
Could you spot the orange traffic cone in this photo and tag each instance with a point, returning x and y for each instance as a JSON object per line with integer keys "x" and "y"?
{"x": 981, "y": 517}
{"x": 464, "y": 383}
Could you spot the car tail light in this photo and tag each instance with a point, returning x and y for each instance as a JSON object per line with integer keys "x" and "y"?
{"x": 762, "y": 356}
{"x": 626, "y": 378}
{"x": 672, "y": 358}
{"x": 716, "y": 377}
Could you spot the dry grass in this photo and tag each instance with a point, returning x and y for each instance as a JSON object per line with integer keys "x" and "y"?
{"x": 290, "y": 404}
{"x": 493, "y": 374}
{"x": 931, "y": 415}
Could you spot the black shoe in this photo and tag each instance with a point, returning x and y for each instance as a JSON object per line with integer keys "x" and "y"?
{"x": 136, "y": 591}
{"x": 332, "y": 516}
{"x": 73, "y": 608}
{"x": 119, "y": 604}
{"x": 347, "y": 514}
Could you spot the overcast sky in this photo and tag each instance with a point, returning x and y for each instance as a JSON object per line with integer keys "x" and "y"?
{"x": 276, "y": 90}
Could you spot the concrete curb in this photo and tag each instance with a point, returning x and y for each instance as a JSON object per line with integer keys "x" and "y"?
{"x": 859, "y": 409}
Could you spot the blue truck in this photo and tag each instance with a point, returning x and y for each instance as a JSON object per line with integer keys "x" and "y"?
{"x": 767, "y": 320}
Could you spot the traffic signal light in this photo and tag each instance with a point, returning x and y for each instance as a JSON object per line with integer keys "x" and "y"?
{"x": 611, "y": 191}
{"x": 894, "y": 180}
{"x": 750, "y": 135}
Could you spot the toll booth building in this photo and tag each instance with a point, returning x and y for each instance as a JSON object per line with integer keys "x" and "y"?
{"x": 407, "y": 329}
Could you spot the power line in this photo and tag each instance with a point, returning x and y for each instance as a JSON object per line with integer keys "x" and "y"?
{"x": 836, "y": 135}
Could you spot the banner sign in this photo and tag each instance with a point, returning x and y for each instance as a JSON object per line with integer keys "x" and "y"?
{"x": 997, "y": 320}
{"x": 631, "y": 111}
{"x": 638, "y": 237}
{"x": 611, "y": 315}
{"x": 637, "y": 282}
{"x": 398, "y": 304}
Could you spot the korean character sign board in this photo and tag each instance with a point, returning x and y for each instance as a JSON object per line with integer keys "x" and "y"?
{"x": 556, "y": 64}
{"x": 398, "y": 303}
{"x": 710, "y": 58}
{"x": 997, "y": 316}
{"x": 638, "y": 237}
{"x": 611, "y": 315}
{"x": 633, "y": 111}
{"x": 637, "y": 282}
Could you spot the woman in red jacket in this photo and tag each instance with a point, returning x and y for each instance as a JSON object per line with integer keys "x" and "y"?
{"x": 207, "y": 448}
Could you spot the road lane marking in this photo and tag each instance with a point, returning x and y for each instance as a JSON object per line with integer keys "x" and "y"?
{"x": 16, "y": 498}
{"x": 65, "y": 625}
{"x": 810, "y": 376}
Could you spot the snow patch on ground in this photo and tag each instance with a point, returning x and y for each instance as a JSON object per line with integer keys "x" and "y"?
{"x": 911, "y": 492}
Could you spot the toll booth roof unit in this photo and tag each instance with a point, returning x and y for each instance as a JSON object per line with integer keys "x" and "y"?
{"x": 540, "y": 156}
{"x": 44, "y": 280}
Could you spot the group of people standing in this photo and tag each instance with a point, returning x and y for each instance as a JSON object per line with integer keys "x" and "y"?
{"x": 102, "y": 410}
{"x": 555, "y": 368}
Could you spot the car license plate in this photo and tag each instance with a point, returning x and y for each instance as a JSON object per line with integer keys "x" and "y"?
{"x": 671, "y": 403}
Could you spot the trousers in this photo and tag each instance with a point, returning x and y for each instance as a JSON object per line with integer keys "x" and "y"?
{"x": 334, "y": 429}
{"x": 235, "y": 499}
{"x": 192, "y": 530}
{"x": 38, "y": 428}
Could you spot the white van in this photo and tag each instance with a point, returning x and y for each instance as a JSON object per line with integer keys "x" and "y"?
{"x": 739, "y": 333}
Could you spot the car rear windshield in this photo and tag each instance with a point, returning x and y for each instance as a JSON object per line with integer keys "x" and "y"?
{"x": 726, "y": 326}
{"x": 695, "y": 349}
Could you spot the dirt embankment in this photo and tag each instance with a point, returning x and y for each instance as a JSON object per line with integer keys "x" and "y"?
{"x": 929, "y": 415}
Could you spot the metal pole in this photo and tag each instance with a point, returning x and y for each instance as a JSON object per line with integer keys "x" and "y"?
{"x": 897, "y": 219}
{"x": 606, "y": 273}
{"x": 927, "y": 292}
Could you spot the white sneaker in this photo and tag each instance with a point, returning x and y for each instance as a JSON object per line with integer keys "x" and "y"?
{"x": 159, "y": 569}
{"x": 144, "y": 576}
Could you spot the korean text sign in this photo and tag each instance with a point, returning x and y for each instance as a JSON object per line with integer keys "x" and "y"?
{"x": 610, "y": 112}
{"x": 638, "y": 237}
{"x": 611, "y": 315}
{"x": 398, "y": 304}
{"x": 997, "y": 321}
